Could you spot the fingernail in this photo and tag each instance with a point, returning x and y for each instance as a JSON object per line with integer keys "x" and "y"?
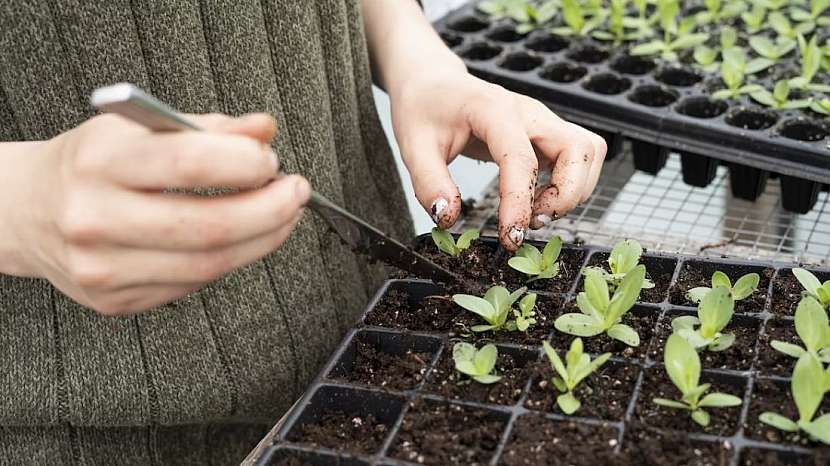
{"x": 437, "y": 209}
{"x": 516, "y": 235}
{"x": 540, "y": 221}
{"x": 302, "y": 189}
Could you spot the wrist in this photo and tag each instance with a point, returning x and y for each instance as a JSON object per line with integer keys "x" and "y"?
{"x": 425, "y": 68}
{"x": 16, "y": 181}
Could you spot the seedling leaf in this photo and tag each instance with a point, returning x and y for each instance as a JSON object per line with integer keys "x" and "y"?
{"x": 625, "y": 334}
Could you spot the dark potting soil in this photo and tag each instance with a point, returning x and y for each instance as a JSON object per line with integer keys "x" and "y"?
{"x": 397, "y": 372}
{"x": 660, "y": 271}
{"x": 769, "y": 395}
{"x": 770, "y": 361}
{"x": 737, "y": 357}
{"x": 345, "y": 432}
{"x": 692, "y": 276}
{"x": 761, "y": 457}
{"x": 292, "y": 462}
{"x": 646, "y": 446}
{"x": 537, "y": 441}
{"x": 605, "y": 394}
{"x": 656, "y": 384}
{"x": 446, "y": 381}
{"x": 439, "y": 313}
{"x": 641, "y": 319}
{"x": 437, "y": 433}
{"x": 787, "y": 292}
{"x": 487, "y": 265}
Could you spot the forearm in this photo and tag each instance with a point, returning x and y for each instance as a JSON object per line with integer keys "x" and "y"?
{"x": 402, "y": 43}
{"x": 15, "y": 179}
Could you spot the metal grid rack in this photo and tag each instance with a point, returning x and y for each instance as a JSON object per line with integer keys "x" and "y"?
{"x": 665, "y": 214}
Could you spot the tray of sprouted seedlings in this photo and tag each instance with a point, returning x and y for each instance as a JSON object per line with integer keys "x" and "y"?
{"x": 741, "y": 82}
{"x": 574, "y": 355}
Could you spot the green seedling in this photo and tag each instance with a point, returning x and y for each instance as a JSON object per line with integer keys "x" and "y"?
{"x": 717, "y": 12}
{"x": 743, "y": 288}
{"x": 477, "y": 364}
{"x": 812, "y": 327}
{"x": 706, "y": 57}
{"x": 771, "y": 50}
{"x": 538, "y": 265}
{"x": 676, "y": 37}
{"x": 733, "y": 72}
{"x": 623, "y": 259}
{"x": 602, "y": 313}
{"x": 779, "y": 98}
{"x": 813, "y": 286}
{"x": 811, "y": 57}
{"x": 815, "y": 16}
{"x": 575, "y": 369}
{"x": 496, "y": 306}
{"x": 785, "y": 28}
{"x": 617, "y": 32}
{"x": 772, "y": 5}
{"x": 538, "y": 16}
{"x": 713, "y": 315}
{"x": 754, "y": 19}
{"x": 517, "y": 10}
{"x": 808, "y": 385}
{"x": 446, "y": 243}
{"x": 579, "y": 20}
{"x": 526, "y": 314}
{"x": 642, "y": 22}
{"x": 683, "y": 366}
{"x": 821, "y": 106}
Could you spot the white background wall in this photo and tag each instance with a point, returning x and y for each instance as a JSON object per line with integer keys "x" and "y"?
{"x": 471, "y": 176}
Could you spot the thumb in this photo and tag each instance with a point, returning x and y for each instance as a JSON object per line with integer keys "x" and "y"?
{"x": 434, "y": 187}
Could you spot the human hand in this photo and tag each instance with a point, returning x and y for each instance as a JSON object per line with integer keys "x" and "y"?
{"x": 90, "y": 213}
{"x": 438, "y": 115}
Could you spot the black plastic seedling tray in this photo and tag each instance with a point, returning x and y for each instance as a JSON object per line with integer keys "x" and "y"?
{"x": 658, "y": 107}
{"x": 496, "y": 426}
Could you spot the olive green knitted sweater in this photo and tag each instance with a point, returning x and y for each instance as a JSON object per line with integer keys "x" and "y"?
{"x": 201, "y": 380}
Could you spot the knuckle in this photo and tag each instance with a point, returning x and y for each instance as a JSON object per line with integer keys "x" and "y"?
{"x": 215, "y": 233}
{"x": 89, "y": 272}
{"x": 79, "y": 226}
{"x": 188, "y": 163}
{"x": 213, "y": 265}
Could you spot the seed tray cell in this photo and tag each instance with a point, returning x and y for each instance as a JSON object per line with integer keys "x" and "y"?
{"x": 658, "y": 107}
{"x": 624, "y": 427}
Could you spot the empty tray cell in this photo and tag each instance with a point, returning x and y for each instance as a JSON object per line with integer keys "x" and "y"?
{"x": 752, "y": 118}
{"x": 452, "y": 40}
{"x": 563, "y": 72}
{"x": 607, "y": 83}
{"x": 384, "y": 359}
{"x": 762, "y": 457}
{"x": 659, "y": 270}
{"x": 413, "y": 306}
{"x": 737, "y": 357}
{"x": 653, "y": 96}
{"x": 468, "y": 24}
{"x": 803, "y": 129}
{"x": 642, "y": 318}
{"x": 771, "y": 362}
{"x": 678, "y": 76}
{"x": 588, "y": 54}
{"x": 798, "y": 195}
{"x": 545, "y": 42}
{"x": 656, "y": 384}
{"x": 649, "y": 157}
{"x": 514, "y": 366}
{"x": 647, "y": 446}
{"x": 701, "y": 107}
{"x": 605, "y": 394}
{"x": 287, "y": 456}
{"x": 536, "y": 440}
{"x": 747, "y": 182}
{"x": 441, "y": 433}
{"x": 521, "y": 61}
{"x": 346, "y": 419}
{"x": 504, "y": 34}
{"x": 787, "y": 291}
{"x": 774, "y": 396}
{"x": 480, "y": 51}
{"x": 635, "y": 66}
{"x": 695, "y": 273}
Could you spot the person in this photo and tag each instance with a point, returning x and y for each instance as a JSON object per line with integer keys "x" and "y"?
{"x": 163, "y": 296}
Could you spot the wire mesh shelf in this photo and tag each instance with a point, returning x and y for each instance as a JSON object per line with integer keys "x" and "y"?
{"x": 665, "y": 214}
